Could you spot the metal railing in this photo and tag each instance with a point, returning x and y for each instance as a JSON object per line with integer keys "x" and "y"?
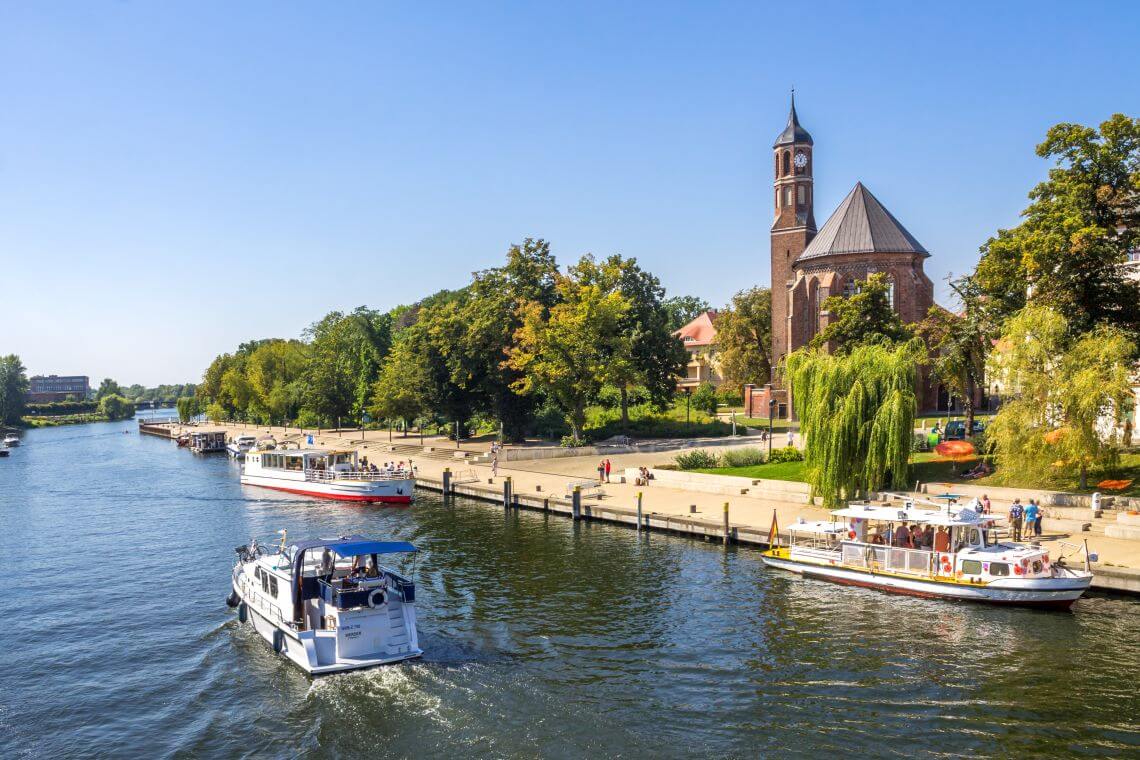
{"x": 356, "y": 475}
{"x": 889, "y": 558}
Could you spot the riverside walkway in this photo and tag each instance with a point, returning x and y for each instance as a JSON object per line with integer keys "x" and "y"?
{"x": 545, "y": 484}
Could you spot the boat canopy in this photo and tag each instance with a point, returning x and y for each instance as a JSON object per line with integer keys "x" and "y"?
{"x": 965, "y": 517}
{"x": 353, "y": 546}
{"x": 818, "y": 526}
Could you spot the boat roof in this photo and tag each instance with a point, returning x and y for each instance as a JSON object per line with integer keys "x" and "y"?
{"x": 816, "y": 526}
{"x": 311, "y": 452}
{"x": 353, "y": 546}
{"x": 925, "y": 516}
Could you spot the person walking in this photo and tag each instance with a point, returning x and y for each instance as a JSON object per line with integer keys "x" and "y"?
{"x": 608, "y": 470}
{"x": 1016, "y": 513}
{"x": 494, "y": 466}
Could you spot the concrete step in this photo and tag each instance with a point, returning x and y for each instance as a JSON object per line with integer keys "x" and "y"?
{"x": 1129, "y": 532}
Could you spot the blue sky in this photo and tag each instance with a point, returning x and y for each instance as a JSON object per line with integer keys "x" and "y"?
{"x": 178, "y": 177}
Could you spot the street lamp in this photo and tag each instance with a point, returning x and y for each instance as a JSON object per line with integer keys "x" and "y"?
{"x": 771, "y": 414}
{"x": 688, "y": 395}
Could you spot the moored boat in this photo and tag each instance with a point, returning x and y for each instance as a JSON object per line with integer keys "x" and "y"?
{"x": 328, "y": 604}
{"x": 207, "y": 441}
{"x": 239, "y": 445}
{"x": 327, "y": 474}
{"x": 957, "y": 557}
{"x": 11, "y": 440}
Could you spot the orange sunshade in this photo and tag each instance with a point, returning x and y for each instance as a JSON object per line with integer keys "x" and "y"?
{"x": 955, "y": 449}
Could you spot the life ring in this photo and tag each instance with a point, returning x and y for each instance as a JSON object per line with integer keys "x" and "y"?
{"x": 372, "y": 601}
{"x": 851, "y": 534}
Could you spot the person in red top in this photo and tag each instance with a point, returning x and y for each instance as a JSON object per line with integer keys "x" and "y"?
{"x": 607, "y": 471}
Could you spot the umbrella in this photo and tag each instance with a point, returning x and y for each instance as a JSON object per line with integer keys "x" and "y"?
{"x": 1114, "y": 485}
{"x": 955, "y": 449}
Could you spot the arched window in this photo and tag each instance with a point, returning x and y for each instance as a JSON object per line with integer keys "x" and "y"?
{"x": 787, "y": 161}
{"x": 850, "y": 288}
{"x": 788, "y": 195}
{"x": 801, "y": 195}
{"x": 891, "y": 292}
{"x": 777, "y": 197}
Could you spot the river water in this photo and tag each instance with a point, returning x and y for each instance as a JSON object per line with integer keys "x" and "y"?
{"x": 542, "y": 637}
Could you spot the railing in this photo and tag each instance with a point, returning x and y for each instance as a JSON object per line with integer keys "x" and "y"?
{"x": 357, "y": 475}
{"x": 889, "y": 558}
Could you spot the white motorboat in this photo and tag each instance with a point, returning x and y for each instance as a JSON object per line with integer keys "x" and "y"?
{"x": 327, "y": 604}
{"x": 11, "y": 440}
{"x": 866, "y": 545}
{"x": 328, "y": 475}
{"x": 239, "y": 445}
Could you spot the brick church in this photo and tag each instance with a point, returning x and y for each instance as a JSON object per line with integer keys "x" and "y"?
{"x": 860, "y": 238}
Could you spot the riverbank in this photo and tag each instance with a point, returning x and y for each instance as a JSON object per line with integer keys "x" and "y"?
{"x": 680, "y": 508}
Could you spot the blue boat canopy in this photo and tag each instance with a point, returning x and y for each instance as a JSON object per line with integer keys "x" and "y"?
{"x": 353, "y": 546}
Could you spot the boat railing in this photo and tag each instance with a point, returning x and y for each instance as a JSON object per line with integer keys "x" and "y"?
{"x": 890, "y": 558}
{"x": 358, "y": 475}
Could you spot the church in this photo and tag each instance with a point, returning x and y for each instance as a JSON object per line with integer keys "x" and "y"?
{"x": 860, "y": 238}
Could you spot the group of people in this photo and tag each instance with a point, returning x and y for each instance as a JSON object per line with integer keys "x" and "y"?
{"x": 1025, "y": 519}
{"x": 604, "y": 471}
{"x": 914, "y": 537}
{"x": 643, "y": 476}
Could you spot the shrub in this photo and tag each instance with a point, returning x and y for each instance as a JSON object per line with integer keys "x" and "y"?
{"x": 921, "y": 443}
{"x": 730, "y": 396}
{"x": 697, "y": 460}
{"x": 786, "y": 454}
{"x": 742, "y": 457}
{"x": 704, "y": 398}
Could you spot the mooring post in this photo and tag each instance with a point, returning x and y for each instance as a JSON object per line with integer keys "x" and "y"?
{"x": 507, "y": 492}
{"x": 446, "y": 482}
{"x": 726, "y": 533}
{"x": 639, "y": 511}
{"x": 576, "y": 503}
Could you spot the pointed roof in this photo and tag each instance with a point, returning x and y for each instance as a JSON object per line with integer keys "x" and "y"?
{"x": 861, "y": 225}
{"x": 701, "y": 331}
{"x": 793, "y": 133}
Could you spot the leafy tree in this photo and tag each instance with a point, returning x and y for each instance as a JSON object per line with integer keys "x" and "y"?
{"x": 863, "y": 318}
{"x": 275, "y": 371}
{"x": 1077, "y": 233}
{"x": 344, "y": 361}
{"x": 188, "y": 408}
{"x": 683, "y": 309}
{"x": 566, "y": 352}
{"x": 857, "y": 411}
{"x": 108, "y": 388}
{"x": 1066, "y": 390}
{"x": 704, "y": 398}
{"x": 744, "y": 338}
{"x": 116, "y": 407}
{"x": 957, "y": 346}
{"x": 399, "y": 392}
{"x": 13, "y": 388}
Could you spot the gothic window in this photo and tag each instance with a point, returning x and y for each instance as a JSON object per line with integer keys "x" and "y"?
{"x": 801, "y": 192}
{"x": 777, "y": 197}
{"x": 891, "y": 291}
{"x": 787, "y": 162}
{"x": 850, "y": 288}
{"x": 787, "y": 196}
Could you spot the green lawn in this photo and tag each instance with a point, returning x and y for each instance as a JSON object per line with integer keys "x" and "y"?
{"x": 930, "y": 467}
{"x": 778, "y": 471}
{"x": 762, "y": 422}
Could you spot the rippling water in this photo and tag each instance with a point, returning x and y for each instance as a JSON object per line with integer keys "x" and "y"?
{"x": 542, "y": 637}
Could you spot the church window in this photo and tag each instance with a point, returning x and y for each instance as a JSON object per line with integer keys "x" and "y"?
{"x": 787, "y": 162}
{"x": 850, "y": 288}
{"x": 891, "y": 291}
{"x": 801, "y": 191}
{"x": 777, "y": 197}
{"x": 787, "y": 196}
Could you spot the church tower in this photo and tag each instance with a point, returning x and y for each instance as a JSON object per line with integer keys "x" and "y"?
{"x": 794, "y": 224}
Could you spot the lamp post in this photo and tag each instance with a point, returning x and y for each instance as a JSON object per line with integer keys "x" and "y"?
{"x": 771, "y": 414}
{"x": 688, "y": 395}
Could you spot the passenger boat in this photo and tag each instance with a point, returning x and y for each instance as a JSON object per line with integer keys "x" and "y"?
{"x": 326, "y": 603}
{"x": 327, "y": 474}
{"x": 11, "y": 440}
{"x": 239, "y": 445}
{"x": 207, "y": 441}
{"x": 964, "y": 561}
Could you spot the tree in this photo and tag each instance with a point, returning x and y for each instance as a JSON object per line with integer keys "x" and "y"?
{"x": 108, "y": 388}
{"x": 704, "y": 398}
{"x": 1067, "y": 390}
{"x": 957, "y": 346}
{"x": 188, "y": 408}
{"x": 399, "y": 392}
{"x": 344, "y": 361}
{"x": 683, "y": 309}
{"x": 567, "y": 352}
{"x": 115, "y": 407}
{"x": 13, "y": 389}
{"x": 744, "y": 338}
{"x": 863, "y": 318}
{"x": 1077, "y": 233}
{"x": 857, "y": 411}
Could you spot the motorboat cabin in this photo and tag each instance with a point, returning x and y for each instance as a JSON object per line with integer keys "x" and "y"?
{"x": 328, "y": 604}
{"x": 239, "y": 445}
{"x": 329, "y": 474}
{"x": 207, "y": 441}
{"x": 930, "y": 553}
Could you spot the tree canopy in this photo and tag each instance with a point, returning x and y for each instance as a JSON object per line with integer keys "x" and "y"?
{"x": 13, "y": 387}
{"x": 862, "y": 318}
{"x": 957, "y": 344}
{"x": 744, "y": 338}
{"x": 683, "y": 309}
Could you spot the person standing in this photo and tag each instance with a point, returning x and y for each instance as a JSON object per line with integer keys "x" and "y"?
{"x": 791, "y": 439}
{"x": 1031, "y": 512}
{"x": 1038, "y": 518}
{"x": 494, "y": 466}
{"x": 608, "y": 470}
{"x": 1016, "y": 513}
{"x": 985, "y": 504}
{"x": 602, "y": 471}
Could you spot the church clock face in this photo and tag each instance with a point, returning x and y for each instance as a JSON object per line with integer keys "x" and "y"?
{"x": 801, "y": 160}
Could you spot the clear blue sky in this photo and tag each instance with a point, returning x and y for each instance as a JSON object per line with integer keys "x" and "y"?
{"x": 178, "y": 177}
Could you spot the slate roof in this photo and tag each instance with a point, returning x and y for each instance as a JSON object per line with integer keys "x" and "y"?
{"x": 861, "y": 225}
{"x": 793, "y": 133}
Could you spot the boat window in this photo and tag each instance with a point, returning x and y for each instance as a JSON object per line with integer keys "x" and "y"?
{"x": 265, "y": 582}
{"x": 999, "y": 568}
{"x": 293, "y": 463}
{"x": 273, "y": 585}
{"x": 1037, "y": 565}
{"x": 971, "y": 567}
{"x": 257, "y": 573}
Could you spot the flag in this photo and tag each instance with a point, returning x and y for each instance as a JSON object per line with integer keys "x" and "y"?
{"x": 774, "y": 532}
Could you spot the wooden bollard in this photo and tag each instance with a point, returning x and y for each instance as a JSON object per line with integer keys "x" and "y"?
{"x": 446, "y": 482}
{"x": 576, "y": 503}
{"x": 507, "y": 492}
{"x": 726, "y": 533}
{"x": 639, "y": 511}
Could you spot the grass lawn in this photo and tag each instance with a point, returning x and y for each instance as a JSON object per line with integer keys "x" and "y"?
{"x": 929, "y": 467}
{"x": 778, "y": 471}
{"x": 762, "y": 422}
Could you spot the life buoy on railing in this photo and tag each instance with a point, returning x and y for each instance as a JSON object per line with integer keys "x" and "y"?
{"x": 372, "y": 598}
{"x": 851, "y": 534}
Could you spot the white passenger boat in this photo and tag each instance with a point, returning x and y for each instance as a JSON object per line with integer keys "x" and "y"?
{"x": 239, "y": 445}
{"x": 11, "y": 440}
{"x": 960, "y": 559}
{"x": 326, "y": 474}
{"x": 328, "y": 604}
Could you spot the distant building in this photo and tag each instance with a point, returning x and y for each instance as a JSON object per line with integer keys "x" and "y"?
{"x": 699, "y": 337}
{"x": 43, "y": 389}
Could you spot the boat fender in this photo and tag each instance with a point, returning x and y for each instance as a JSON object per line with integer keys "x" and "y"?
{"x": 376, "y": 598}
{"x": 278, "y": 640}
{"x": 233, "y": 600}
{"x": 851, "y": 534}
{"x": 243, "y": 612}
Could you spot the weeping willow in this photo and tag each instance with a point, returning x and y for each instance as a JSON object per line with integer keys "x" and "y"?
{"x": 856, "y": 416}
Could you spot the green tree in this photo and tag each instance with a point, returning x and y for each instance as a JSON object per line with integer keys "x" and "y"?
{"x": 744, "y": 338}
{"x": 704, "y": 398}
{"x": 1077, "y": 233}
{"x": 13, "y": 389}
{"x": 344, "y": 361}
{"x": 957, "y": 346}
{"x": 188, "y": 408}
{"x": 1067, "y": 390}
{"x": 400, "y": 391}
{"x": 566, "y": 352}
{"x": 683, "y": 309}
{"x": 108, "y": 388}
{"x": 116, "y": 407}
{"x": 863, "y": 318}
{"x": 857, "y": 411}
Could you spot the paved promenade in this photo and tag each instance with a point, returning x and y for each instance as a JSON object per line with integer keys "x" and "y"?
{"x": 680, "y": 509}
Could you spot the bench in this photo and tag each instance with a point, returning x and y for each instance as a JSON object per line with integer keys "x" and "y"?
{"x": 588, "y": 487}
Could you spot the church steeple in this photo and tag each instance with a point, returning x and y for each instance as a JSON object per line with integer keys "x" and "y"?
{"x": 793, "y": 133}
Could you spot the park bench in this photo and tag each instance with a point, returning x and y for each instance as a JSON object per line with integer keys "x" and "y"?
{"x": 588, "y": 487}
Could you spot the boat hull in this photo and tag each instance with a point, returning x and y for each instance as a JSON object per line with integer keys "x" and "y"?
{"x": 369, "y": 492}
{"x": 1049, "y": 593}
